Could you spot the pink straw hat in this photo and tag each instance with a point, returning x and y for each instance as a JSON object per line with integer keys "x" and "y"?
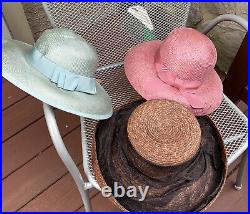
{"x": 179, "y": 68}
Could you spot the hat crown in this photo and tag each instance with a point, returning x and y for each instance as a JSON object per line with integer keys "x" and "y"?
{"x": 69, "y": 51}
{"x": 188, "y": 54}
{"x": 164, "y": 132}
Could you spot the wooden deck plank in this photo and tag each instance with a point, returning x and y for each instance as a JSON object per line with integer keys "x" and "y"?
{"x": 19, "y": 116}
{"x": 11, "y": 94}
{"x": 21, "y": 148}
{"x": 26, "y": 183}
{"x": 63, "y": 196}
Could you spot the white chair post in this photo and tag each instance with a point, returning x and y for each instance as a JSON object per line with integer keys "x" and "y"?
{"x": 206, "y": 27}
{"x": 241, "y": 171}
{"x": 65, "y": 156}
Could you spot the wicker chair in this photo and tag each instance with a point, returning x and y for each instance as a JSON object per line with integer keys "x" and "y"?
{"x": 108, "y": 28}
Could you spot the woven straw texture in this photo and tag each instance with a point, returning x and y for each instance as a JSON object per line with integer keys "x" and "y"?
{"x": 173, "y": 128}
{"x": 179, "y": 68}
{"x": 191, "y": 58}
{"x": 69, "y": 50}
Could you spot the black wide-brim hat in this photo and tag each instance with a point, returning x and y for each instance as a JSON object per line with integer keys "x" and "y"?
{"x": 193, "y": 184}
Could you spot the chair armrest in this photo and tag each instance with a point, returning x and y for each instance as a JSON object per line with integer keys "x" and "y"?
{"x": 206, "y": 27}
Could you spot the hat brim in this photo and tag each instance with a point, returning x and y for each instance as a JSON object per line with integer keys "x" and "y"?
{"x": 140, "y": 70}
{"x": 19, "y": 72}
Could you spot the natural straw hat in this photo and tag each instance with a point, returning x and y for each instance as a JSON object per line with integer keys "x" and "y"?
{"x": 192, "y": 185}
{"x": 179, "y": 68}
{"x": 58, "y": 70}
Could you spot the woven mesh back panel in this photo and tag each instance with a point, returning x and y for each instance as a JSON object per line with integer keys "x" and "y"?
{"x": 110, "y": 28}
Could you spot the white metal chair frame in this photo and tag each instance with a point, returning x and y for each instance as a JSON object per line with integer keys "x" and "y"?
{"x": 84, "y": 186}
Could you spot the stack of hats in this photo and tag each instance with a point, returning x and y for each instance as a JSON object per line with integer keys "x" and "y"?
{"x": 158, "y": 144}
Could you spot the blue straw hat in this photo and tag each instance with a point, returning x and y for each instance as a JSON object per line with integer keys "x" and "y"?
{"x": 58, "y": 70}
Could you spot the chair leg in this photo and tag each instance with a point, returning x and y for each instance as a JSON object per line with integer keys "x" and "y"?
{"x": 65, "y": 156}
{"x": 238, "y": 183}
{"x": 85, "y": 200}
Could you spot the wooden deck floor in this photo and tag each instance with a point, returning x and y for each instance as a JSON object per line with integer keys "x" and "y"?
{"x": 35, "y": 179}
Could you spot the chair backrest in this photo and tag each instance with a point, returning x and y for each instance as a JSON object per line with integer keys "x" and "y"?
{"x": 109, "y": 26}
